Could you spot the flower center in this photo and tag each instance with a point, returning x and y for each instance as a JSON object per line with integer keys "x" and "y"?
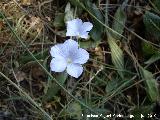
{"x": 69, "y": 61}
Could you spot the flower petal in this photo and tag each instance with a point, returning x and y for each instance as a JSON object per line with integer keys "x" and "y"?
{"x": 74, "y": 70}
{"x": 58, "y": 64}
{"x": 73, "y": 27}
{"x": 70, "y": 46}
{"x": 81, "y": 56}
{"x": 84, "y": 29}
{"x": 56, "y": 50}
{"x": 84, "y": 35}
{"x": 87, "y": 26}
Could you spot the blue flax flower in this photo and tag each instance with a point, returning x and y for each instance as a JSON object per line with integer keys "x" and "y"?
{"x": 68, "y": 56}
{"x": 78, "y": 28}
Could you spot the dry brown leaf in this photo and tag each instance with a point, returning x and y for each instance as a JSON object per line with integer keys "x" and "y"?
{"x": 38, "y": 73}
{"x": 99, "y": 52}
{"x": 20, "y": 76}
{"x": 26, "y": 2}
{"x": 34, "y": 21}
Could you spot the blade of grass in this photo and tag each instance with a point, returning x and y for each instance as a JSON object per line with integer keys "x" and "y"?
{"x": 151, "y": 85}
{"x": 117, "y": 55}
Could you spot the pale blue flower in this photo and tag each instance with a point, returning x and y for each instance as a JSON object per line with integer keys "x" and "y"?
{"x": 78, "y": 28}
{"x": 68, "y": 56}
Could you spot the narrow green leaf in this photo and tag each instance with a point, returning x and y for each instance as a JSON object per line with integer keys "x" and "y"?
{"x": 39, "y": 56}
{"x": 97, "y": 30}
{"x": 111, "y": 85}
{"x": 153, "y": 59}
{"x": 75, "y": 110}
{"x": 151, "y": 85}
{"x": 117, "y": 55}
{"x": 76, "y": 3}
{"x": 106, "y": 11}
{"x": 54, "y": 88}
{"x": 59, "y": 20}
{"x": 148, "y": 49}
{"x": 119, "y": 22}
{"x": 152, "y": 24}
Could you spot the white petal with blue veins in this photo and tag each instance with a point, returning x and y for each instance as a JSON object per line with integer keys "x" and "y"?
{"x": 74, "y": 70}
{"x": 58, "y": 64}
{"x": 81, "y": 56}
{"x": 73, "y": 27}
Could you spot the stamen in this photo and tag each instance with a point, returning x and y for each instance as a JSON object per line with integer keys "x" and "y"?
{"x": 69, "y": 61}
